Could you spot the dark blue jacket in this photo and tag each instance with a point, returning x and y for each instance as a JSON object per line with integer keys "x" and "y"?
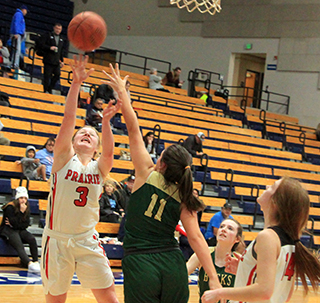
{"x": 18, "y": 26}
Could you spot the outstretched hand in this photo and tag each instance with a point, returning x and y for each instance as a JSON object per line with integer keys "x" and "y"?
{"x": 111, "y": 110}
{"x": 79, "y": 69}
{"x": 115, "y": 79}
{"x": 232, "y": 263}
{"x": 212, "y": 296}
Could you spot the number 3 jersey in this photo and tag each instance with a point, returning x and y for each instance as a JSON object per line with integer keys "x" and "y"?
{"x": 246, "y": 274}
{"x": 73, "y": 205}
{"x": 152, "y": 215}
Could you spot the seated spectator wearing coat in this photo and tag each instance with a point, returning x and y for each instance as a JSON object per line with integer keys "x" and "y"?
{"x": 4, "y": 60}
{"x": 16, "y": 219}
{"x": 110, "y": 209}
{"x": 3, "y": 141}
{"x": 155, "y": 81}
{"x": 193, "y": 144}
{"x": 45, "y": 155}
{"x": 148, "y": 140}
{"x": 31, "y": 167}
{"x": 95, "y": 114}
{"x": 172, "y": 78}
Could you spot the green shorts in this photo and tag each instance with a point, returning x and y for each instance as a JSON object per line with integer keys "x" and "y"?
{"x": 155, "y": 277}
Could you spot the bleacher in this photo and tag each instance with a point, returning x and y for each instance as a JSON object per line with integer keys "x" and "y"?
{"x": 241, "y": 162}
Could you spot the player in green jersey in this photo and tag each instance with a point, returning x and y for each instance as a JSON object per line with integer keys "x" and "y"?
{"x": 229, "y": 235}
{"x": 153, "y": 266}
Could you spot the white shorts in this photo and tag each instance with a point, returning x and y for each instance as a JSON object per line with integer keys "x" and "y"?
{"x": 64, "y": 254}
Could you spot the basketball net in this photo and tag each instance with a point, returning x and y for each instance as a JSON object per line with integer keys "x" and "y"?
{"x": 203, "y": 6}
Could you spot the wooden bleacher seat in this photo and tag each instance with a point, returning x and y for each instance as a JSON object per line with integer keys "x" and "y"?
{"x": 44, "y": 106}
{"x": 242, "y": 219}
{"x": 264, "y": 151}
{"x": 269, "y": 115}
{"x": 15, "y": 90}
{"x": 21, "y": 84}
{"x": 249, "y": 180}
{"x": 32, "y": 115}
{"x": 244, "y": 139}
{"x": 236, "y": 167}
{"x": 246, "y": 191}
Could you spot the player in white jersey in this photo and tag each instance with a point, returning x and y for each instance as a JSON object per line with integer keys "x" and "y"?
{"x": 70, "y": 243}
{"x": 269, "y": 266}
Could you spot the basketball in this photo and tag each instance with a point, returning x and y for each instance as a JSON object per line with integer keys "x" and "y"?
{"x": 87, "y": 31}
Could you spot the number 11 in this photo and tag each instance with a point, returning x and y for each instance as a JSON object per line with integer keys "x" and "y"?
{"x": 154, "y": 199}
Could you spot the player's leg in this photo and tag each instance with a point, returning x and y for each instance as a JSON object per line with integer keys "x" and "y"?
{"x": 56, "y": 299}
{"x": 174, "y": 269}
{"x": 142, "y": 279}
{"x": 57, "y": 268}
{"x": 93, "y": 269}
{"x": 106, "y": 295}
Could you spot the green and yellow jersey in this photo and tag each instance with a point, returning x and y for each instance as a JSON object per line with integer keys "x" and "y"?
{"x": 152, "y": 215}
{"x": 226, "y": 279}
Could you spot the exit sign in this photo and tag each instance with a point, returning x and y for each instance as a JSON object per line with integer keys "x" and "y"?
{"x": 248, "y": 46}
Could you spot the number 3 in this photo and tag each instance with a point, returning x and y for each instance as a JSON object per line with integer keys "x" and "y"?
{"x": 82, "y": 201}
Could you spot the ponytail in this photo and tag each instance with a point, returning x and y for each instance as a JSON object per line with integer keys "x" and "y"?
{"x": 308, "y": 265}
{"x": 290, "y": 195}
{"x": 178, "y": 171}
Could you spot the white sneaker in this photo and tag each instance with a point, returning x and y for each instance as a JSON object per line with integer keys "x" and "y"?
{"x": 34, "y": 267}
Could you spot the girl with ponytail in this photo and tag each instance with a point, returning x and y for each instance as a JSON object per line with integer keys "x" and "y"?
{"x": 153, "y": 266}
{"x": 271, "y": 263}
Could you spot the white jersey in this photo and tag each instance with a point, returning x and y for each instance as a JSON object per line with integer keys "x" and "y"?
{"x": 75, "y": 190}
{"x": 246, "y": 273}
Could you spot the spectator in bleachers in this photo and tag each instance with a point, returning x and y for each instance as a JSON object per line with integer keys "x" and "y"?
{"x": 110, "y": 210}
{"x": 215, "y": 222}
{"x": 172, "y": 78}
{"x": 128, "y": 84}
{"x": 31, "y": 167}
{"x": 155, "y": 81}
{"x": 4, "y": 60}
{"x": 3, "y": 141}
{"x": 148, "y": 140}
{"x": 17, "y": 34}
{"x": 318, "y": 132}
{"x": 206, "y": 98}
{"x": 124, "y": 195}
{"x": 94, "y": 114}
{"x": 45, "y": 155}
{"x": 104, "y": 92}
{"x": 52, "y": 48}
{"x": 193, "y": 144}
{"x": 16, "y": 219}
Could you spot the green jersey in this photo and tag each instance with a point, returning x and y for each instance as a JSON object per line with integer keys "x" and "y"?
{"x": 152, "y": 215}
{"x": 226, "y": 279}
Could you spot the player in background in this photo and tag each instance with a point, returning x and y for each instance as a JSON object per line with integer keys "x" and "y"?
{"x": 229, "y": 235}
{"x": 153, "y": 266}
{"x": 268, "y": 267}
{"x": 70, "y": 243}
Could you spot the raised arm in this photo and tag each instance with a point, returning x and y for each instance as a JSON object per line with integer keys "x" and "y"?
{"x": 140, "y": 157}
{"x": 106, "y": 159}
{"x": 63, "y": 150}
{"x": 199, "y": 245}
{"x": 192, "y": 264}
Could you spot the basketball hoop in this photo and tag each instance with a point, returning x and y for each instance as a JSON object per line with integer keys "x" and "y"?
{"x": 203, "y": 6}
